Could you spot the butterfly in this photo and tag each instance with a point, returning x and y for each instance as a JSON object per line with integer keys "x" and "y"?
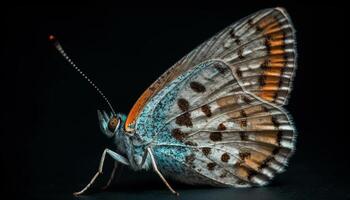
{"x": 216, "y": 116}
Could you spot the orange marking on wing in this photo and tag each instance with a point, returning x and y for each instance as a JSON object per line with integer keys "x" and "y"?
{"x": 156, "y": 86}
{"x": 266, "y": 22}
{"x": 234, "y": 115}
{"x": 254, "y": 109}
{"x": 268, "y": 95}
{"x": 271, "y": 30}
{"x": 271, "y": 26}
{"x": 267, "y": 137}
{"x": 136, "y": 109}
{"x": 257, "y": 156}
{"x": 274, "y": 43}
{"x": 271, "y": 80}
{"x": 255, "y": 160}
{"x": 242, "y": 172}
{"x": 259, "y": 121}
{"x": 277, "y": 58}
{"x": 270, "y": 87}
{"x": 273, "y": 72}
{"x": 277, "y": 51}
{"x": 225, "y": 101}
{"x": 277, "y": 36}
{"x": 252, "y": 164}
{"x": 275, "y": 62}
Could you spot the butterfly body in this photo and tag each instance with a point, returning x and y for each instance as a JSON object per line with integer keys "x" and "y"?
{"x": 216, "y": 116}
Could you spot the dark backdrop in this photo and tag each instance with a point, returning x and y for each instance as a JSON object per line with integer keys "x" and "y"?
{"x": 51, "y": 142}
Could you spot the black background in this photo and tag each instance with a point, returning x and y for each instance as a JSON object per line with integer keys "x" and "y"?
{"x": 51, "y": 143}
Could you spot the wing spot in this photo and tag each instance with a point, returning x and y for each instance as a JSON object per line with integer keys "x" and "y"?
{"x": 211, "y": 166}
{"x": 275, "y": 122}
{"x": 243, "y": 114}
{"x": 184, "y": 120}
{"x": 276, "y": 150}
{"x": 244, "y": 155}
{"x": 197, "y": 87}
{"x": 239, "y": 73}
{"x": 189, "y": 143}
{"x": 221, "y": 69}
{"x": 250, "y": 22}
{"x": 243, "y": 123}
{"x": 251, "y": 174}
{"x": 233, "y": 35}
{"x": 178, "y": 134}
{"x": 206, "y": 151}
{"x": 238, "y": 41}
{"x": 267, "y": 42}
{"x": 206, "y": 110}
{"x": 264, "y": 65}
{"x": 225, "y": 157}
{"x": 247, "y": 100}
{"x": 183, "y": 104}
{"x": 221, "y": 127}
{"x": 215, "y": 136}
{"x": 265, "y": 163}
{"x": 243, "y": 136}
{"x": 190, "y": 159}
{"x": 240, "y": 54}
{"x": 223, "y": 175}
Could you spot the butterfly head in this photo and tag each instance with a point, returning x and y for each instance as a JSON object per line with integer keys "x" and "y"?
{"x": 111, "y": 124}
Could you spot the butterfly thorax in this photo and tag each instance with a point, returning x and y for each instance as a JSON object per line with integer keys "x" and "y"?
{"x": 132, "y": 146}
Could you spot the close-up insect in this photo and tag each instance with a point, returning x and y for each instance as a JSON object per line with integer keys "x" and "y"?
{"x": 215, "y": 117}
{"x": 241, "y": 101}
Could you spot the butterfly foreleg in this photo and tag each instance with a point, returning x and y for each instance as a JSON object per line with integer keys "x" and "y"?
{"x": 155, "y": 168}
{"x": 115, "y": 156}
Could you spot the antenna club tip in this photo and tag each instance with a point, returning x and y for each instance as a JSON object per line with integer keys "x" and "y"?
{"x": 52, "y": 38}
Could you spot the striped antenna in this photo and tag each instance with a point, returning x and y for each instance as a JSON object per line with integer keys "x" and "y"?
{"x": 60, "y": 49}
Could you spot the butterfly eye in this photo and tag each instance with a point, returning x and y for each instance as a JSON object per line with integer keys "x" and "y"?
{"x": 113, "y": 124}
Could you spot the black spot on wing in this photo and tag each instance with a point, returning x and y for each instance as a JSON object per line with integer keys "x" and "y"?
{"x": 215, "y": 136}
{"x": 211, "y": 166}
{"x": 184, "y": 120}
{"x": 206, "y": 150}
{"x": 206, "y": 110}
{"x": 225, "y": 157}
{"x": 183, "y": 104}
{"x": 197, "y": 87}
{"x": 221, "y": 127}
{"x": 221, "y": 69}
{"x": 178, "y": 134}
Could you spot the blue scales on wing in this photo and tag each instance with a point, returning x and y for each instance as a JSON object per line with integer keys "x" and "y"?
{"x": 204, "y": 127}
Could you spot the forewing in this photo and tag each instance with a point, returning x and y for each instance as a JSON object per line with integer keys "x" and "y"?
{"x": 232, "y": 136}
{"x": 260, "y": 49}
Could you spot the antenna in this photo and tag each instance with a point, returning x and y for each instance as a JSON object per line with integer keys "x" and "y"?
{"x": 60, "y": 49}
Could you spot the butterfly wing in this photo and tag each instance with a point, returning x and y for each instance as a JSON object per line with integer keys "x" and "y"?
{"x": 260, "y": 49}
{"x": 206, "y": 121}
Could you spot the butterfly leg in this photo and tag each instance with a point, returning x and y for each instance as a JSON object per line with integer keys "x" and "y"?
{"x": 112, "y": 176}
{"x": 154, "y": 164}
{"x": 115, "y": 156}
